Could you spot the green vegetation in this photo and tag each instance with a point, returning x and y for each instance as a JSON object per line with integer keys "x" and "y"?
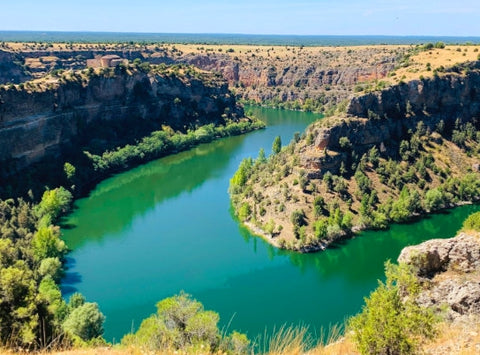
{"x": 472, "y": 223}
{"x": 391, "y": 322}
{"x": 362, "y": 188}
{"x": 182, "y": 324}
{"x": 161, "y": 143}
{"x": 122, "y": 144}
{"x": 277, "y": 145}
{"x": 33, "y": 314}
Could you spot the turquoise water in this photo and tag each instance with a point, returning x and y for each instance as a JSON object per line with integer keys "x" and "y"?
{"x": 167, "y": 226}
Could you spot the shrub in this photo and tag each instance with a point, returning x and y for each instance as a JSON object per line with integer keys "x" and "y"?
{"x": 181, "y": 323}
{"x": 389, "y": 324}
{"x": 85, "y": 321}
{"x": 298, "y": 218}
{"x": 472, "y": 222}
{"x": 344, "y": 143}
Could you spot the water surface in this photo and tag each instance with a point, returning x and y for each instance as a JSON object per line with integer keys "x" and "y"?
{"x": 167, "y": 226}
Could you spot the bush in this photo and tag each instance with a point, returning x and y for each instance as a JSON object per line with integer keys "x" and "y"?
{"x": 298, "y": 218}
{"x": 344, "y": 143}
{"x": 472, "y": 222}
{"x": 85, "y": 321}
{"x": 389, "y": 324}
{"x": 181, "y": 323}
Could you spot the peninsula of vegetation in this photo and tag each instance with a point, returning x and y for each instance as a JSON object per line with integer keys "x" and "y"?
{"x": 391, "y": 155}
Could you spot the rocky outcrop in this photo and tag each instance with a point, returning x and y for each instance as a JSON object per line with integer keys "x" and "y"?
{"x": 450, "y": 271}
{"x": 44, "y": 123}
{"x": 11, "y": 69}
{"x": 444, "y": 97}
{"x": 384, "y": 118}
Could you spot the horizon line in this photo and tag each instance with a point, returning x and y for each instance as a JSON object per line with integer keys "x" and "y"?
{"x": 242, "y": 34}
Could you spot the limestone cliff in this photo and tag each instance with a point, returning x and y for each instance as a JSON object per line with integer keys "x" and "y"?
{"x": 324, "y": 76}
{"x": 386, "y": 116}
{"x": 294, "y": 77}
{"x": 44, "y": 120}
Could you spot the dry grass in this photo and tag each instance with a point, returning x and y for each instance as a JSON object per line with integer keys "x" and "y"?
{"x": 459, "y": 338}
{"x": 446, "y": 57}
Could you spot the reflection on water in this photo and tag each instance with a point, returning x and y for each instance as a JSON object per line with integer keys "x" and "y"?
{"x": 167, "y": 226}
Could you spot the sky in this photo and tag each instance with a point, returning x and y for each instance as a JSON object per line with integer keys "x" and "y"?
{"x": 302, "y": 17}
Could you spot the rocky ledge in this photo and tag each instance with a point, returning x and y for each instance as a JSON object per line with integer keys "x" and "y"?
{"x": 449, "y": 270}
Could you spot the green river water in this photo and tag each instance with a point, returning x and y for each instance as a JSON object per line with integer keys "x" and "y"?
{"x": 167, "y": 226}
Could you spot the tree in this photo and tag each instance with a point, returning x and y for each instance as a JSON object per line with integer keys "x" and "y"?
{"x": 328, "y": 180}
{"x": 277, "y": 145}
{"x": 46, "y": 243}
{"x": 53, "y": 203}
{"x": 241, "y": 175}
{"x": 52, "y": 267}
{"x": 433, "y": 199}
{"x": 344, "y": 143}
{"x": 180, "y": 323}
{"x": 18, "y": 321}
{"x": 388, "y": 323}
{"x": 69, "y": 171}
{"x": 261, "y": 156}
{"x": 85, "y": 321}
{"x": 373, "y": 156}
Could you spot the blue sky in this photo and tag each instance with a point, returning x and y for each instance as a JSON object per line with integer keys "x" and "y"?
{"x": 320, "y": 17}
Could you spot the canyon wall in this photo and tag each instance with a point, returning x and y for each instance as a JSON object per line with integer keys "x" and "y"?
{"x": 385, "y": 116}
{"x": 41, "y": 124}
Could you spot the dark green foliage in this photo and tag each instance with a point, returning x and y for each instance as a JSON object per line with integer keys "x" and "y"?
{"x": 160, "y": 143}
{"x": 328, "y": 180}
{"x": 344, "y": 143}
{"x": 389, "y": 324}
{"x": 318, "y": 206}
{"x": 298, "y": 218}
{"x": 277, "y": 145}
{"x": 31, "y": 308}
{"x": 363, "y": 182}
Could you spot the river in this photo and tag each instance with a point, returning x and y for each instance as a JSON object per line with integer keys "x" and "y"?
{"x": 167, "y": 226}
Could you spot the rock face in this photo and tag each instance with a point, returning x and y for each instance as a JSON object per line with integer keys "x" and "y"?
{"x": 450, "y": 269}
{"x": 38, "y": 125}
{"x": 11, "y": 70}
{"x": 318, "y": 76}
{"x": 383, "y": 118}
{"x": 443, "y": 97}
